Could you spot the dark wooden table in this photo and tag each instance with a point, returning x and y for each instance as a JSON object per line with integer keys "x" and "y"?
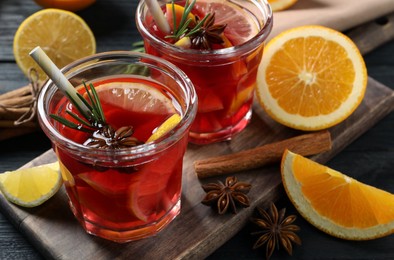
{"x": 369, "y": 159}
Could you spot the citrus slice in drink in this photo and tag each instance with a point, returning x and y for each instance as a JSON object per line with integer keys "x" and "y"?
{"x": 178, "y": 13}
{"x": 104, "y": 187}
{"x": 63, "y": 35}
{"x": 240, "y": 24}
{"x": 165, "y": 128}
{"x": 31, "y": 187}
{"x": 335, "y": 203}
{"x": 134, "y": 96}
{"x": 70, "y": 5}
{"x": 208, "y": 101}
{"x": 279, "y": 5}
{"x": 240, "y": 99}
{"x": 311, "y": 78}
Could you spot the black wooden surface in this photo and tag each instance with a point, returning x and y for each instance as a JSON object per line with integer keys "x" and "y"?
{"x": 369, "y": 159}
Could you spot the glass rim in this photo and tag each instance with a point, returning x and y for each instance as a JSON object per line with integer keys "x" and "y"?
{"x": 49, "y": 89}
{"x": 250, "y": 44}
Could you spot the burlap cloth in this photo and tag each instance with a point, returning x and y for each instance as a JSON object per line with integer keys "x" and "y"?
{"x": 337, "y": 14}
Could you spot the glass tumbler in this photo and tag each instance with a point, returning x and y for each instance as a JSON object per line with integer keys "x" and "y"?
{"x": 128, "y": 193}
{"x": 224, "y": 78}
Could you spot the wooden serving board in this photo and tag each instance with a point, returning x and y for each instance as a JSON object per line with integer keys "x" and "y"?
{"x": 198, "y": 230}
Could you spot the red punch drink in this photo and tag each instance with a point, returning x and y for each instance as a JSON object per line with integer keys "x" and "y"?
{"x": 116, "y": 191}
{"x": 222, "y": 67}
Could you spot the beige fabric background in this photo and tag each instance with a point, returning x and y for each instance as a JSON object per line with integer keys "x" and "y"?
{"x": 337, "y": 14}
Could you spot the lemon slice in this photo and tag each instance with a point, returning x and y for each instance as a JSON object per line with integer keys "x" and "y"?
{"x": 135, "y": 96}
{"x": 241, "y": 26}
{"x": 164, "y": 128}
{"x": 63, "y": 35}
{"x": 32, "y": 186}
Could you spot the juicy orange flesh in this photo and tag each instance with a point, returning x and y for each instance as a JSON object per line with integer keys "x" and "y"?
{"x": 314, "y": 80}
{"x": 341, "y": 199}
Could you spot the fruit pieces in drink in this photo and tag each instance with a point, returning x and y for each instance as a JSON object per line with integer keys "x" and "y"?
{"x": 225, "y": 86}
{"x": 125, "y": 195}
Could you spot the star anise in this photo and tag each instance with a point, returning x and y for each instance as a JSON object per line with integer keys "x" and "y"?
{"x": 209, "y": 33}
{"x": 227, "y": 195}
{"x": 106, "y": 137}
{"x": 276, "y": 230}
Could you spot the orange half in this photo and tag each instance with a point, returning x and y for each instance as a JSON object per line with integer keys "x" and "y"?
{"x": 311, "y": 78}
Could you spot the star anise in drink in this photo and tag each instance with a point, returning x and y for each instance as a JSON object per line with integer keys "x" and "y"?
{"x": 276, "y": 230}
{"x": 92, "y": 121}
{"x": 208, "y": 34}
{"x": 228, "y": 194}
{"x": 107, "y": 138}
{"x": 202, "y": 33}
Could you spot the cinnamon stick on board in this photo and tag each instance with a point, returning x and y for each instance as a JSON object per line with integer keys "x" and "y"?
{"x": 306, "y": 144}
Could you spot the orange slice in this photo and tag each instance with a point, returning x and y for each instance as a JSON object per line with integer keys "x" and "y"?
{"x": 279, "y": 5}
{"x": 63, "y": 35}
{"x": 335, "y": 203}
{"x": 311, "y": 78}
{"x": 70, "y": 5}
{"x": 135, "y": 97}
{"x": 240, "y": 24}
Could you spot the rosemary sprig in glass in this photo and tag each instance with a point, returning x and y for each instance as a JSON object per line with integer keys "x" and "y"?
{"x": 183, "y": 29}
{"x": 93, "y": 118}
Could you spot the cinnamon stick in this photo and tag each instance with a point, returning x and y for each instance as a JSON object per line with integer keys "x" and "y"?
{"x": 306, "y": 144}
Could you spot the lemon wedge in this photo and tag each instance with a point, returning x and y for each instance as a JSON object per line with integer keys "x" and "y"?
{"x": 31, "y": 187}
{"x": 164, "y": 128}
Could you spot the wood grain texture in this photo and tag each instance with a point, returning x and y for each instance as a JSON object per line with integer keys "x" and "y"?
{"x": 369, "y": 158}
{"x": 198, "y": 231}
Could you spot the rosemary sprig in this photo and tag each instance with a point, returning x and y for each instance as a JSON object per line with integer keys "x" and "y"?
{"x": 183, "y": 29}
{"x": 93, "y": 118}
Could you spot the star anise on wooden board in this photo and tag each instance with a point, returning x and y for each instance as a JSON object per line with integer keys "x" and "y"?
{"x": 228, "y": 194}
{"x": 276, "y": 230}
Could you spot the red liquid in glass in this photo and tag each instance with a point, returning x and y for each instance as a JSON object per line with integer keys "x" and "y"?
{"x": 224, "y": 87}
{"x": 120, "y": 197}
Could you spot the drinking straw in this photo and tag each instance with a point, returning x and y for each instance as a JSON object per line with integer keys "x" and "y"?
{"x": 158, "y": 15}
{"x": 53, "y": 72}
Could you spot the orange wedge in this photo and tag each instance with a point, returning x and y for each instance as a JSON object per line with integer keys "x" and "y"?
{"x": 311, "y": 78}
{"x": 335, "y": 203}
{"x": 279, "y": 5}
